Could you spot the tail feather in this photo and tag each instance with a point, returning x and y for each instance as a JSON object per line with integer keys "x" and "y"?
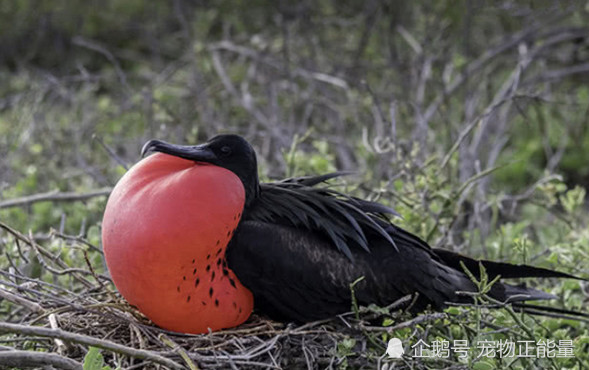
{"x": 551, "y": 312}
{"x": 516, "y": 295}
{"x": 506, "y": 270}
{"x": 521, "y": 293}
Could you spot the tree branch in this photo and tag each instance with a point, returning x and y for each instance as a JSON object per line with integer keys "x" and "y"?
{"x": 29, "y": 305}
{"x": 89, "y": 341}
{"x": 21, "y": 359}
{"x": 54, "y": 196}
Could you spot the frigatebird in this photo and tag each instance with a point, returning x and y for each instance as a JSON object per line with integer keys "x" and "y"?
{"x": 299, "y": 246}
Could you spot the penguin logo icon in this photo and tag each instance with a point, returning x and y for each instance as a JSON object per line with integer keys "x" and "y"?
{"x": 395, "y": 348}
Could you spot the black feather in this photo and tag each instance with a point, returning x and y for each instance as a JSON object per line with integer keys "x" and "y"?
{"x": 324, "y": 210}
{"x": 314, "y": 180}
{"x": 299, "y": 246}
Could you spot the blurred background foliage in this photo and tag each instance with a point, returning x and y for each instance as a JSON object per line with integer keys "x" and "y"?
{"x": 471, "y": 117}
{"x": 496, "y": 92}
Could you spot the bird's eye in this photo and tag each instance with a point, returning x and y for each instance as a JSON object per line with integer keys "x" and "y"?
{"x": 225, "y": 150}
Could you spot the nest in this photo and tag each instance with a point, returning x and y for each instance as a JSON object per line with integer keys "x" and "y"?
{"x": 55, "y": 315}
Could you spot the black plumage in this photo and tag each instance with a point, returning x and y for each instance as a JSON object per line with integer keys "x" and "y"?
{"x": 300, "y": 245}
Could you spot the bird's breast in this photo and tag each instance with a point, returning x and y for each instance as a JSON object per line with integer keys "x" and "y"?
{"x": 165, "y": 231}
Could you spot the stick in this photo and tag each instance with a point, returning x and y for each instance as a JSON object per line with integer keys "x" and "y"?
{"x": 54, "y": 196}
{"x": 29, "y": 305}
{"x": 58, "y": 342}
{"x": 409, "y": 323}
{"x": 21, "y": 359}
{"x": 89, "y": 341}
{"x": 167, "y": 341}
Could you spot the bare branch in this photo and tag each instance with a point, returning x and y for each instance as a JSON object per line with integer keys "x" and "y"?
{"x": 54, "y": 325}
{"x": 29, "y": 305}
{"x": 407, "y": 324}
{"x": 22, "y": 359}
{"x": 94, "y": 46}
{"x": 88, "y": 341}
{"x": 485, "y": 58}
{"x": 54, "y": 196}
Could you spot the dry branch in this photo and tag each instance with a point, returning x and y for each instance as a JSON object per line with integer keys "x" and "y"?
{"x": 407, "y": 324}
{"x": 54, "y": 196}
{"x": 489, "y": 55}
{"x": 22, "y": 359}
{"x": 29, "y": 305}
{"x": 89, "y": 341}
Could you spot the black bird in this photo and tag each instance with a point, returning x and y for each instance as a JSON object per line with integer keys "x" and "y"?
{"x": 299, "y": 246}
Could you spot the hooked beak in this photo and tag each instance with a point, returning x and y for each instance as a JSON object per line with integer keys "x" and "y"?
{"x": 197, "y": 153}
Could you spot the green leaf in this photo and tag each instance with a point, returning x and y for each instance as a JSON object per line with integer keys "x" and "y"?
{"x": 93, "y": 359}
{"x": 482, "y": 365}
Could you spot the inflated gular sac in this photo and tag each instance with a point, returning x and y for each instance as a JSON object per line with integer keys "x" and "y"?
{"x": 165, "y": 230}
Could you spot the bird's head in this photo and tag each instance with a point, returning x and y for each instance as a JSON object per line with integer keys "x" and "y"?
{"x": 231, "y": 152}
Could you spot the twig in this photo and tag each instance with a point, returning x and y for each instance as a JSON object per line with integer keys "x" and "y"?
{"x": 409, "y": 323}
{"x": 393, "y": 306}
{"x": 242, "y": 50}
{"x": 244, "y": 101}
{"x": 94, "y": 46}
{"x": 485, "y": 58}
{"x": 31, "y": 306}
{"x": 58, "y": 342}
{"x": 409, "y": 39}
{"x": 42, "y": 253}
{"x": 558, "y": 74}
{"x": 77, "y": 239}
{"x": 54, "y": 196}
{"x": 89, "y": 341}
{"x": 21, "y": 359}
{"x": 111, "y": 152}
{"x": 164, "y": 338}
